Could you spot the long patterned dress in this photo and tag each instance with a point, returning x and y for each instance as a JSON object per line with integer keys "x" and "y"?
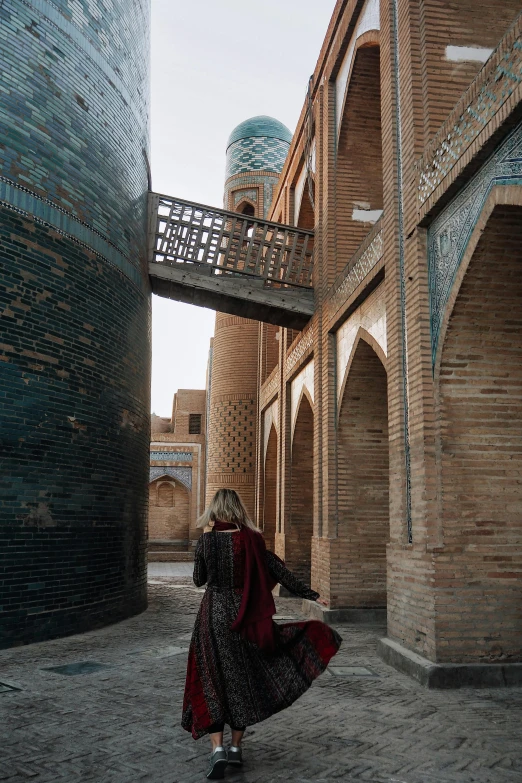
{"x": 229, "y": 679}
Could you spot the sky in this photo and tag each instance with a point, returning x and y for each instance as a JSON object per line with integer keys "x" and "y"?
{"x": 216, "y": 63}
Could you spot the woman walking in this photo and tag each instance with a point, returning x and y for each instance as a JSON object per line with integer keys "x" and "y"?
{"x": 242, "y": 667}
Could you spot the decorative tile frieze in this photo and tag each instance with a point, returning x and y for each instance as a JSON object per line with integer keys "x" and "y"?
{"x": 173, "y": 456}
{"x": 270, "y": 389}
{"x": 450, "y": 232}
{"x": 300, "y": 349}
{"x": 256, "y": 154}
{"x": 495, "y": 83}
{"x": 359, "y": 267}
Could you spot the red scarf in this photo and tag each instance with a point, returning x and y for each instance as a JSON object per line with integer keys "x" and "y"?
{"x": 254, "y": 619}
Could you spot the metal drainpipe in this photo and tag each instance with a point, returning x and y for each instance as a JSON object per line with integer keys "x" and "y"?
{"x": 404, "y": 325}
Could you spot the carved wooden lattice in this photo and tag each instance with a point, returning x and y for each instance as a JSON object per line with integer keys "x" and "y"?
{"x": 228, "y": 243}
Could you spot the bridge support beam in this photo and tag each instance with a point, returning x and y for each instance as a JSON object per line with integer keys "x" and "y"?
{"x": 237, "y": 296}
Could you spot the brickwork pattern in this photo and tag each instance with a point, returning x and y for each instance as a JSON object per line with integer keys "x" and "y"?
{"x": 121, "y": 723}
{"x": 169, "y": 511}
{"x": 65, "y": 65}
{"x": 358, "y": 568}
{"x": 270, "y": 490}
{"x": 75, "y": 334}
{"x": 359, "y": 162}
{"x": 75, "y": 435}
{"x": 233, "y": 408}
{"x": 481, "y": 441}
{"x": 298, "y": 545}
{"x": 449, "y": 24}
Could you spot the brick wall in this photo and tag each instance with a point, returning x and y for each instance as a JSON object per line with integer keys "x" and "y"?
{"x": 74, "y": 413}
{"x": 478, "y": 587}
{"x": 358, "y": 566}
{"x": 298, "y": 542}
{"x": 233, "y": 408}
{"x": 462, "y": 24}
{"x": 169, "y": 511}
{"x": 268, "y": 349}
{"x": 187, "y": 401}
{"x": 74, "y": 300}
{"x": 270, "y": 490}
{"x": 358, "y": 179}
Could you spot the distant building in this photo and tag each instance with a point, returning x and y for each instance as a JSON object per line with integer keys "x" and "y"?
{"x": 177, "y": 476}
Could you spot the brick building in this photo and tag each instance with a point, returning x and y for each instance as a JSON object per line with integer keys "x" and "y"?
{"x": 388, "y": 432}
{"x": 177, "y": 476}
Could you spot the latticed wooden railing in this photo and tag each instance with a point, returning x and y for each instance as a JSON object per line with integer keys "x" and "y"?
{"x": 218, "y": 242}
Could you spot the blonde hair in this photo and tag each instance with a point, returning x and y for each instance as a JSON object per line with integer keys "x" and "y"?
{"x": 226, "y": 506}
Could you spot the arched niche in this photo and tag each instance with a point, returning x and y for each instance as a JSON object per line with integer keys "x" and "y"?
{"x": 298, "y": 541}
{"x": 478, "y": 378}
{"x": 359, "y": 572}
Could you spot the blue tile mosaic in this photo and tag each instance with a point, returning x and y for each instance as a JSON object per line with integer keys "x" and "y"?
{"x": 173, "y": 456}
{"x": 184, "y": 475}
{"x": 74, "y": 110}
{"x": 450, "y": 232}
{"x": 257, "y": 144}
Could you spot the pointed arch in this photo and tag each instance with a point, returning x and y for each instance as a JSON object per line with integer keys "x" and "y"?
{"x": 371, "y": 37}
{"x": 298, "y": 541}
{"x": 359, "y": 162}
{"x": 362, "y": 334}
{"x": 358, "y": 575}
{"x": 270, "y": 488}
{"x": 478, "y": 385}
{"x": 246, "y": 206}
{"x": 169, "y": 510}
{"x": 499, "y": 195}
{"x": 306, "y": 214}
{"x": 305, "y": 392}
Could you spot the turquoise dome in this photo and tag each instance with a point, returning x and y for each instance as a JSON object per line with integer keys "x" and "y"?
{"x": 266, "y": 127}
{"x": 258, "y": 144}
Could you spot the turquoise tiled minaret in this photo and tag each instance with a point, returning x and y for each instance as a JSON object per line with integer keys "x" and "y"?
{"x": 256, "y": 153}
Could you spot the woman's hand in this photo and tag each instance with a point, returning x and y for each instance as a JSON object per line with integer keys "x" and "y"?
{"x": 321, "y": 601}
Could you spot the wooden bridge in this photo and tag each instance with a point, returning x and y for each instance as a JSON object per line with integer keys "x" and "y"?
{"x": 230, "y": 262}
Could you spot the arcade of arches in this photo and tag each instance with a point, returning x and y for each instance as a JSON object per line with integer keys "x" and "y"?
{"x": 388, "y": 433}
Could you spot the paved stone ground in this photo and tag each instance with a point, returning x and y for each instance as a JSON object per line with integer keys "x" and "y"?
{"x": 120, "y": 724}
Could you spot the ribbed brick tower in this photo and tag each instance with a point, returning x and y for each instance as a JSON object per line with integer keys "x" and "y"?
{"x": 256, "y": 152}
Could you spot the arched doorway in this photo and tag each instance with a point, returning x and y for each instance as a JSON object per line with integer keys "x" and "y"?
{"x": 478, "y": 582}
{"x": 359, "y": 571}
{"x": 298, "y": 544}
{"x": 270, "y": 490}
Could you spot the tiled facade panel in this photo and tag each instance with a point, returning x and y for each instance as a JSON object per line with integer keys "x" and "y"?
{"x": 358, "y": 559}
{"x": 75, "y": 110}
{"x": 457, "y": 24}
{"x": 75, "y": 314}
{"x": 256, "y": 154}
{"x": 481, "y": 444}
{"x": 74, "y": 436}
{"x": 359, "y": 156}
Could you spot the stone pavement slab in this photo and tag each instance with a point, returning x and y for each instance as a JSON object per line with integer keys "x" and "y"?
{"x": 119, "y": 722}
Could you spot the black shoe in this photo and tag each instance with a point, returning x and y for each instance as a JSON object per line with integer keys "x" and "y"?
{"x": 218, "y": 762}
{"x": 235, "y": 757}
